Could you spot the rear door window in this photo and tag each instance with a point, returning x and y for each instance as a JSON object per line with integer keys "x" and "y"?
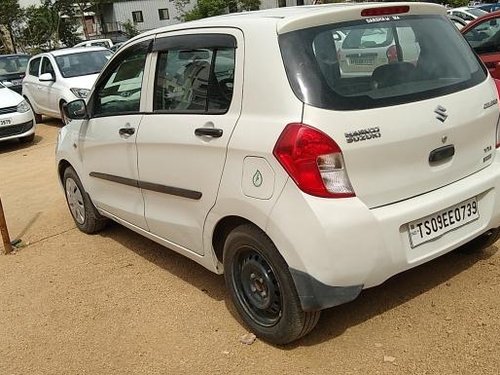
{"x": 365, "y": 64}
{"x": 198, "y": 80}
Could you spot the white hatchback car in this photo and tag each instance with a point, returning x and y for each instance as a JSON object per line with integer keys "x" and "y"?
{"x": 60, "y": 76}
{"x": 16, "y": 117}
{"x": 237, "y": 142}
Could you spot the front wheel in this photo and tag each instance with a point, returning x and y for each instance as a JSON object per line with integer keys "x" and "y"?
{"x": 65, "y": 119}
{"x": 262, "y": 288}
{"x": 85, "y": 215}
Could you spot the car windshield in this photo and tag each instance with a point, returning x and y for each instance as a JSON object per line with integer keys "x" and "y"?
{"x": 394, "y": 60}
{"x": 477, "y": 12}
{"x": 82, "y": 63}
{"x": 13, "y": 64}
{"x": 485, "y": 36}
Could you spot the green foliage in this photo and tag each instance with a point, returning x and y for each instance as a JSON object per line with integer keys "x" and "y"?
{"x": 10, "y": 17}
{"x": 210, "y": 8}
{"x": 10, "y": 13}
{"x": 130, "y": 29}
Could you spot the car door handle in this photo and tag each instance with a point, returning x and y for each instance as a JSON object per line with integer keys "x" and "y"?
{"x": 126, "y": 131}
{"x": 210, "y": 132}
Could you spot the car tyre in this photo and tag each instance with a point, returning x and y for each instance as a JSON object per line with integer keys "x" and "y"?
{"x": 28, "y": 139}
{"x": 65, "y": 120}
{"x": 85, "y": 215}
{"x": 262, "y": 288}
{"x": 482, "y": 242}
{"x": 38, "y": 117}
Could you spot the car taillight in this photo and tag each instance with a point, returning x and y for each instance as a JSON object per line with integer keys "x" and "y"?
{"x": 314, "y": 161}
{"x": 392, "y": 54}
{"x": 385, "y": 11}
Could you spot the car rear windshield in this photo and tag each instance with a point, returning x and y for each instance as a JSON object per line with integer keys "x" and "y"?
{"x": 83, "y": 63}
{"x": 379, "y": 62}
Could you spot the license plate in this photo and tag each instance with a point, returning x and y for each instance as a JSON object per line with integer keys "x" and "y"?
{"x": 439, "y": 223}
{"x": 6, "y": 121}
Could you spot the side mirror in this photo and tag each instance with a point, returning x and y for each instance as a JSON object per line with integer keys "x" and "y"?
{"x": 46, "y": 77}
{"x": 76, "y": 110}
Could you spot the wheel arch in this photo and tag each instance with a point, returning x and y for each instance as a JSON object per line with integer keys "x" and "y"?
{"x": 222, "y": 229}
{"x": 61, "y": 167}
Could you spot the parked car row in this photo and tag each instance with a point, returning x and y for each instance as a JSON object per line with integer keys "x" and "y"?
{"x": 306, "y": 153}
{"x": 58, "y": 77}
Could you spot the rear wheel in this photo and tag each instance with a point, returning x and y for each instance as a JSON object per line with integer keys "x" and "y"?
{"x": 262, "y": 288}
{"x": 85, "y": 215}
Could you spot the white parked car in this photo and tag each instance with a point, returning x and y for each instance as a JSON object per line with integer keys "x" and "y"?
{"x": 60, "y": 76}
{"x": 106, "y": 43}
{"x": 16, "y": 117}
{"x": 364, "y": 49}
{"x": 237, "y": 142}
{"x": 467, "y": 13}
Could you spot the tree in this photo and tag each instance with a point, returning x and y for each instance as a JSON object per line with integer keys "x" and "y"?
{"x": 10, "y": 14}
{"x": 47, "y": 25}
{"x": 210, "y": 8}
{"x": 130, "y": 29}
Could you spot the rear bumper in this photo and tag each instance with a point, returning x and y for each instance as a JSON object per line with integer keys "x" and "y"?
{"x": 343, "y": 243}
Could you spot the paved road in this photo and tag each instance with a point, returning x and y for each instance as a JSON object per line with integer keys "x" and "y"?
{"x": 116, "y": 303}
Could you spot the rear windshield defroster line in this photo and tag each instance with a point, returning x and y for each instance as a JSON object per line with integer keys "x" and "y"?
{"x": 426, "y": 58}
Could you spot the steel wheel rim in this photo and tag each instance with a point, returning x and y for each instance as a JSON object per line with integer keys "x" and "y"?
{"x": 75, "y": 201}
{"x": 257, "y": 287}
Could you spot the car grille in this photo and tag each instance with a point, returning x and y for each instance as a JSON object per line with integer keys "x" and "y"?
{"x": 5, "y": 110}
{"x": 7, "y": 131}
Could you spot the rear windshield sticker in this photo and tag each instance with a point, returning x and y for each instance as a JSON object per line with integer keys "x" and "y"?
{"x": 382, "y": 19}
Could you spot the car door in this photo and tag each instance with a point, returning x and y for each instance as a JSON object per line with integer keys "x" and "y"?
{"x": 194, "y": 106}
{"x": 484, "y": 38}
{"x": 30, "y": 82}
{"x": 46, "y": 89}
{"x": 108, "y": 138}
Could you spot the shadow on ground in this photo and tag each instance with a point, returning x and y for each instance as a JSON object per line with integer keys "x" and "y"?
{"x": 15, "y": 145}
{"x": 172, "y": 262}
{"x": 335, "y": 321}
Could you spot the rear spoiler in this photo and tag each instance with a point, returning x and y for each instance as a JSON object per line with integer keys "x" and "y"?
{"x": 333, "y": 13}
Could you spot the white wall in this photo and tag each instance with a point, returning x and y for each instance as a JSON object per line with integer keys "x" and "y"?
{"x": 123, "y": 12}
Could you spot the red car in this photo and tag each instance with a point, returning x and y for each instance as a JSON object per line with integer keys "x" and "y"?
{"x": 483, "y": 34}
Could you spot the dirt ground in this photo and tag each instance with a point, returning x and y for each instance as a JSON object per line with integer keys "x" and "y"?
{"x": 116, "y": 303}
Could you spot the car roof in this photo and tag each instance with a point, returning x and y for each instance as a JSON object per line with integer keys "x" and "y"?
{"x": 15, "y": 54}
{"x": 286, "y": 16}
{"x": 70, "y": 51}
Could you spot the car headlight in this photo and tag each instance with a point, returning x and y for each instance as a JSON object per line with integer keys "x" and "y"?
{"x": 23, "y": 107}
{"x": 80, "y": 93}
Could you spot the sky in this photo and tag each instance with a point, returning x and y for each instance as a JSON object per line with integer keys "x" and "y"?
{"x": 27, "y": 3}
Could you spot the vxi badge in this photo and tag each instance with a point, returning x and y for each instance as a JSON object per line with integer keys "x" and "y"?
{"x": 362, "y": 134}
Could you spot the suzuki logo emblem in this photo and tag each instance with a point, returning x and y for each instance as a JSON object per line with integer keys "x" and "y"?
{"x": 440, "y": 111}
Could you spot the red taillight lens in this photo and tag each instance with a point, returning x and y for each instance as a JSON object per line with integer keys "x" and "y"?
{"x": 385, "y": 11}
{"x": 392, "y": 54}
{"x": 314, "y": 161}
